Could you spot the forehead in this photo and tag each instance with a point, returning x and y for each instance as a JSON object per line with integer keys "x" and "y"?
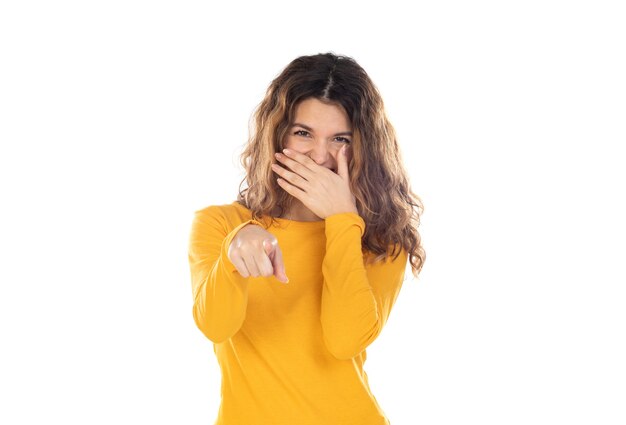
{"x": 314, "y": 112}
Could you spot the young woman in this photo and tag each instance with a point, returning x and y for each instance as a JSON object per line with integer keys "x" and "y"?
{"x": 294, "y": 280}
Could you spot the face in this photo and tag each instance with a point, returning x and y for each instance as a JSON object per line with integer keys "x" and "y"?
{"x": 319, "y": 130}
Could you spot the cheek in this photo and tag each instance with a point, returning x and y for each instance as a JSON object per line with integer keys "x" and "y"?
{"x": 291, "y": 143}
{"x": 287, "y": 143}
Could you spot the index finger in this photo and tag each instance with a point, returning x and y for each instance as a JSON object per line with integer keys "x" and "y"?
{"x": 302, "y": 160}
{"x": 279, "y": 265}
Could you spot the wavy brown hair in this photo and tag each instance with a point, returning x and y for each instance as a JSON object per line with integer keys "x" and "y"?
{"x": 378, "y": 179}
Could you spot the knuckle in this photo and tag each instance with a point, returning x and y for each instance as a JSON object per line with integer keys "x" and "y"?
{"x": 251, "y": 247}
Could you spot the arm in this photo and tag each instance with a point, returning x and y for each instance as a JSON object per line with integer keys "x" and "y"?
{"x": 220, "y": 293}
{"x": 356, "y": 301}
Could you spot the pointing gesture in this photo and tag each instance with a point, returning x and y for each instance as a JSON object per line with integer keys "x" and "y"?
{"x": 255, "y": 252}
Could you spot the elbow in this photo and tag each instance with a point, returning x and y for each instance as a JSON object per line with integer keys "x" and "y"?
{"x": 209, "y": 328}
{"x": 342, "y": 351}
{"x": 219, "y": 317}
{"x": 346, "y": 345}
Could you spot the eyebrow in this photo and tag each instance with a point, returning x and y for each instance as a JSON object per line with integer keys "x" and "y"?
{"x": 306, "y": 127}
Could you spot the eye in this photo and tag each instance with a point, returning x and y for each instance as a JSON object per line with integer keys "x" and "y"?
{"x": 342, "y": 139}
{"x": 301, "y": 131}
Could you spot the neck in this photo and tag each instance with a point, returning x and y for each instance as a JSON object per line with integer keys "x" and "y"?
{"x": 299, "y": 212}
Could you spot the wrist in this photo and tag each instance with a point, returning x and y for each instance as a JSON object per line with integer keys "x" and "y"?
{"x": 343, "y": 211}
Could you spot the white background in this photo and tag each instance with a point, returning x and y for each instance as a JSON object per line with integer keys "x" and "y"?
{"x": 118, "y": 119}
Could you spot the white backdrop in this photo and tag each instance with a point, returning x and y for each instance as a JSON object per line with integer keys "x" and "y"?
{"x": 119, "y": 119}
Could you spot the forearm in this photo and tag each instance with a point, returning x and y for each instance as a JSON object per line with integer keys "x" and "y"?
{"x": 349, "y": 316}
{"x": 220, "y": 292}
{"x": 356, "y": 299}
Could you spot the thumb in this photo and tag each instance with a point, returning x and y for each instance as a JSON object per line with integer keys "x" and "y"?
{"x": 268, "y": 247}
{"x": 276, "y": 257}
{"x": 342, "y": 163}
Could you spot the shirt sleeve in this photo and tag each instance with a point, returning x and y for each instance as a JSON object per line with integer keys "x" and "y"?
{"x": 220, "y": 293}
{"x": 356, "y": 301}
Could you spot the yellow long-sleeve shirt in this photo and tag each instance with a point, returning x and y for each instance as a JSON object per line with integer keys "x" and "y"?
{"x": 292, "y": 353}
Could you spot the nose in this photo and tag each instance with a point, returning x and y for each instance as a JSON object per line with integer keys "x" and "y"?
{"x": 320, "y": 153}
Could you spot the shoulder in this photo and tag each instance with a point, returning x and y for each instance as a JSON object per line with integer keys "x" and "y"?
{"x": 224, "y": 216}
{"x": 233, "y": 208}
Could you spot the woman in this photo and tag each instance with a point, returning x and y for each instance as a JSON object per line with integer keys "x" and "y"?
{"x": 297, "y": 277}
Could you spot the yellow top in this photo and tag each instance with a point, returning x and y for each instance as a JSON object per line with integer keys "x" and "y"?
{"x": 292, "y": 353}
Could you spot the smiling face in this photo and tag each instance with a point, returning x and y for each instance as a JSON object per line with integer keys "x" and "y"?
{"x": 319, "y": 130}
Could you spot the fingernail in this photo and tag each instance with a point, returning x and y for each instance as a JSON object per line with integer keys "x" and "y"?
{"x": 286, "y": 151}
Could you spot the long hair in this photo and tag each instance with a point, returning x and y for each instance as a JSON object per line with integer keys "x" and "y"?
{"x": 378, "y": 179}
